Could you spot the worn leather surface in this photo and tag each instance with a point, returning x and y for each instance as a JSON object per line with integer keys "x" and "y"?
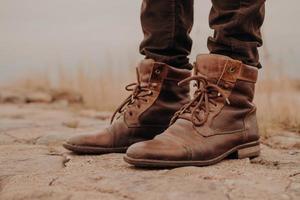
{"x": 146, "y": 112}
{"x": 230, "y": 121}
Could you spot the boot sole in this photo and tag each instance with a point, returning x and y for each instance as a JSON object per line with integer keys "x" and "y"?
{"x": 93, "y": 150}
{"x": 248, "y": 150}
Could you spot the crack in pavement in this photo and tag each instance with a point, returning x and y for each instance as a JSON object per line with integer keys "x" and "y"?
{"x": 273, "y": 163}
{"x": 66, "y": 158}
{"x": 267, "y": 163}
{"x": 22, "y": 141}
{"x": 227, "y": 194}
{"x": 294, "y": 174}
{"x": 23, "y": 127}
{"x": 53, "y": 180}
{"x": 54, "y": 152}
{"x": 287, "y": 188}
{"x": 228, "y": 191}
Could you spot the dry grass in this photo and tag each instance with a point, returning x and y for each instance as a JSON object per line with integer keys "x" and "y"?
{"x": 103, "y": 90}
{"x": 277, "y": 97}
{"x": 278, "y": 102}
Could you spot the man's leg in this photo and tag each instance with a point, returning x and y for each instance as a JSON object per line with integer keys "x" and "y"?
{"x": 155, "y": 96}
{"x": 236, "y": 25}
{"x": 221, "y": 118}
{"x": 166, "y": 26}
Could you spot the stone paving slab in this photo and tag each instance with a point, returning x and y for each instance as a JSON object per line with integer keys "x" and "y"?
{"x": 33, "y": 165}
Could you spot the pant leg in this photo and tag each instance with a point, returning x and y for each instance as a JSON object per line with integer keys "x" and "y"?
{"x": 236, "y": 25}
{"x": 166, "y": 26}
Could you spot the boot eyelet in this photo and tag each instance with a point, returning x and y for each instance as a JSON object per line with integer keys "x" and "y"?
{"x": 231, "y": 69}
{"x": 157, "y": 71}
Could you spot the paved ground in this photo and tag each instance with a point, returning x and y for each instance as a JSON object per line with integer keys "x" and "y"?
{"x": 33, "y": 165}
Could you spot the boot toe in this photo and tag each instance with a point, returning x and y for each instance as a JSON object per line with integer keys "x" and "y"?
{"x": 77, "y": 140}
{"x": 156, "y": 150}
{"x": 102, "y": 139}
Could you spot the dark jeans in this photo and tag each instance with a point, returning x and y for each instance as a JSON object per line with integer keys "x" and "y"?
{"x": 167, "y": 24}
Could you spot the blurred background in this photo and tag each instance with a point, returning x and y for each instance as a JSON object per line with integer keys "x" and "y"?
{"x": 91, "y": 47}
{"x": 41, "y": 34}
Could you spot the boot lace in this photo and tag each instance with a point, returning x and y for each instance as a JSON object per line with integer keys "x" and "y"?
{"x": 139, "y": 93}
{"x": 205, "y": 95}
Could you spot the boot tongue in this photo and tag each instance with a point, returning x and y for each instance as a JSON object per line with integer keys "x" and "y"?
{"x": 144, "y": 71}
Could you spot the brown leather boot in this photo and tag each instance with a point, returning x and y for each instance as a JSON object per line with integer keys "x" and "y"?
{"x": 218, "y": 122}
{"x": 145, "y": 113}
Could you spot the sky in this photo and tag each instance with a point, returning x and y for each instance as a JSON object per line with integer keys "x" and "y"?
{"x": 42, "y": 34}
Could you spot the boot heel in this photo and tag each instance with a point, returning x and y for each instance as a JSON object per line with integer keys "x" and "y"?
{"x": 248, "y": 152}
